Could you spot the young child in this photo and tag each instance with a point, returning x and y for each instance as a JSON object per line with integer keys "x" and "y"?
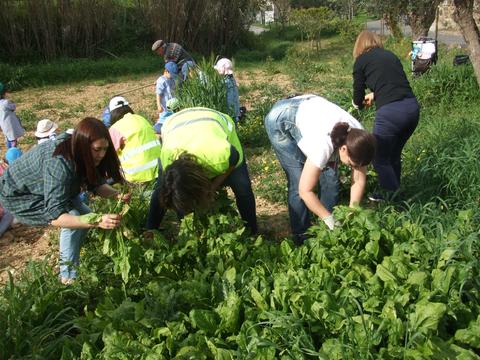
{"x": 173, "y": 105}
{"x": 6, "y": 218}
{"x": 165, "y": 86}
{"x": 46, "y": 130}
{"x": 9, "y": 122}
{"x": 225, "y": 67}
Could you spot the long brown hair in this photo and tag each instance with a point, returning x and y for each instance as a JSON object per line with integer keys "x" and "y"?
{"x": 77, "y": 148}
{"x": 361, "y": 145}
{"x": 366, "y": 40}
{"x": 186, "y": 186}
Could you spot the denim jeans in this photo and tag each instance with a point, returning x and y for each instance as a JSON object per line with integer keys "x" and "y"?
{"x": 284, "y": 137}
{"x": 71, "y": 241}
{"x": 394, "y": 124}
{"x": 239, "y": 182}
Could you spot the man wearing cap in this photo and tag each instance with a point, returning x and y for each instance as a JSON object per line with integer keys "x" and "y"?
{"x": 176, "y": 53}
{"x": 165, "y": 86}
{"x": 135, "y": 142}
{"x": 46, "y": 130}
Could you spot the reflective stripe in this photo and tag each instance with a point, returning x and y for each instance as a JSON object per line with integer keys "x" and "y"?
{"x": 222, "y": 115}
{"x": 188, "y": 122}
{"x": 131, "y": 153}
{"x": 137, "y": 169}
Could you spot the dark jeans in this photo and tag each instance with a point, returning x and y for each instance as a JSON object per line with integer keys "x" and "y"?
{"x": 394, "y": 124}
{"x": 284, "y": 136}
{"x": 239, "y": 182}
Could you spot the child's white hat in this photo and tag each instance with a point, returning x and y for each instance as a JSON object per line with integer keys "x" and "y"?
{"x": 45, "y": 128}
{"x": 224, "y": 66}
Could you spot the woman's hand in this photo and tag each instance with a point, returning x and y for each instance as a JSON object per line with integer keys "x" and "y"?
{"x": 368, "y": 100}
{"x": 109, "y": 221}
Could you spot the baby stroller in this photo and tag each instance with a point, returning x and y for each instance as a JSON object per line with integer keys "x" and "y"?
{"x": 424, "y": 55}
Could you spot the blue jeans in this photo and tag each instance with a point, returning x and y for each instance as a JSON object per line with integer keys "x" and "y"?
{"x": 187, "y": 65}
{"x": 284, "y": 137}
{"x": 239, "y": 182}
{"x": 394, "y": 124}
{"x": 71, "y": 241}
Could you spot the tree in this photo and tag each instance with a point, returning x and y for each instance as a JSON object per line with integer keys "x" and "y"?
{"x": 390, "y": 11}
{"x": 312, "y": 21}
{"x": 421, "y": 14}
{"x": 463, "y": 16}
{"x": 282, "y": 9}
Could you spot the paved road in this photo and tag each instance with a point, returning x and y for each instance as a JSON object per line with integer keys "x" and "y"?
{"x": 444, "y": 36}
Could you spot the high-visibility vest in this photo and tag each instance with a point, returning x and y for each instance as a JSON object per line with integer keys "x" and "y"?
{"x": 139, "y": 157}
{"x": 205, "y": 133}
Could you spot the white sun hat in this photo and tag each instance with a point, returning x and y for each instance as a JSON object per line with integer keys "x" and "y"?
{"x": 45, "y": 128}
{"x": 224, "y": 66}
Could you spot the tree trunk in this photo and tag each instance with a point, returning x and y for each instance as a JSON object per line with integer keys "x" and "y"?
{"x": 391, "y": 20}
{"x": 463, "y": 16}
{"x": 422, "y": 17}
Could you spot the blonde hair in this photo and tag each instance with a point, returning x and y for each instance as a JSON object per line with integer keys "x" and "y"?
{"x": 366, "y": 40}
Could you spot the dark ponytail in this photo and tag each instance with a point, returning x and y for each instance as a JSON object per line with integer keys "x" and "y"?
{"x": 339, "y": 134}
{"x": 361, "y": 145}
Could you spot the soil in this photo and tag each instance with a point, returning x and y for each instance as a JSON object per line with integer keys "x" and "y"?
{"x": 66, "y": 105}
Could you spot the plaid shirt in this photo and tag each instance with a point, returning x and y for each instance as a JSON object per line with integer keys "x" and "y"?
{"x": 176, "y": 53}
{"x": 38, "y": 188}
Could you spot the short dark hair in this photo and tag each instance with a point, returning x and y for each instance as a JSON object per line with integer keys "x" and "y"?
{"x": 119, "y": 113}
{"x": 361, "y": 145}
{"x": 186, "y": 186}
{"x": 77, "y": 149}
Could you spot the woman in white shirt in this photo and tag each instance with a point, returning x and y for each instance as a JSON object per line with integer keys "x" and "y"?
{"x": 309, "y": 135}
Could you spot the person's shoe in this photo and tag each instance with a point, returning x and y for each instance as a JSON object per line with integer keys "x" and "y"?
{"x": 376, "y": 197}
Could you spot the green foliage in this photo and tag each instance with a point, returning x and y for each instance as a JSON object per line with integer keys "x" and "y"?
{"x": 457, "y": 81}
{"x": 312, "y": 22}
{"x": 205, "y": 88}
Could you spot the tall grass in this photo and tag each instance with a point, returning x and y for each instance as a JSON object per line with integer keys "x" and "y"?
{"x": 68, "y": 71}
{"x": 205, "y": 88}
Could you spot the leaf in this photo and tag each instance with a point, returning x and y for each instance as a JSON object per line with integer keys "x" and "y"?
{"x": 205, "y": 320}
{"x": 219, "y": 353}
{"x": 384, "y": 274}
{"x": 229, "y": 312}
{"x": 427, "y": 315}
{"x": 445, "y": 257}
{"x": 91, "y": 218}
{"x": 230, "y": 275}
{"x": 257, "y": 297}
{"x": 470, "y": 335}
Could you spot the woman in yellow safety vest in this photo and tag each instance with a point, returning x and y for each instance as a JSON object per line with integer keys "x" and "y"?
{"x": 200, "y": 151}
{"x": 134, "y": 139}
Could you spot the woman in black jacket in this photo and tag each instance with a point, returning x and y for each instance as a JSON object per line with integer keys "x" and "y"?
{"x": 397, "y": 109}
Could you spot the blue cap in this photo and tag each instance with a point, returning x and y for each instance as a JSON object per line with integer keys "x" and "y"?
{"x": 171, "y": 67}
{"x": 13, "y": 154}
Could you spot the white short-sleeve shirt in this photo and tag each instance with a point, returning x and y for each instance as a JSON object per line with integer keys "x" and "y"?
{"x": 315, "y": 119}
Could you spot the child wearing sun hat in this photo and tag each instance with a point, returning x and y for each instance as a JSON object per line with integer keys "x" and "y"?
{"x": 46, "y": 130}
